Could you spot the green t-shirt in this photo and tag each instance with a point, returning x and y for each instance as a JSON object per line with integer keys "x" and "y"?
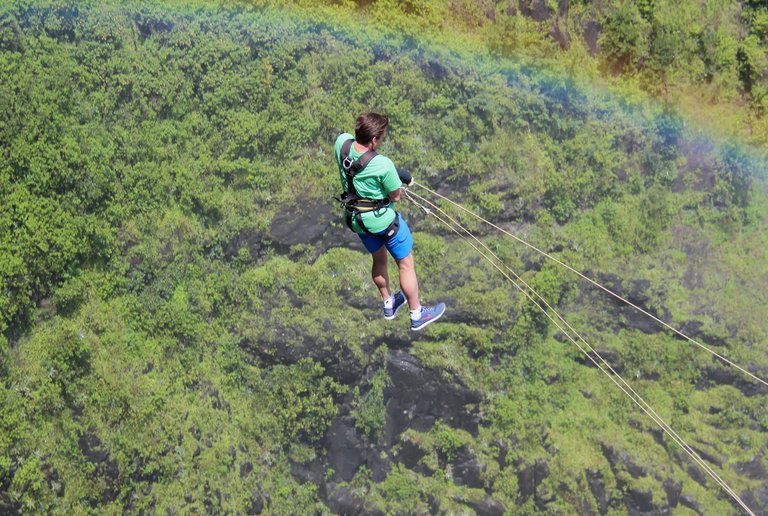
{"x": 376, "y": 180}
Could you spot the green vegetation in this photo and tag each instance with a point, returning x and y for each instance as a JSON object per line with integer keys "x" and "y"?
{"x": 187, "y": 326}
{"x": 370, "y": 412}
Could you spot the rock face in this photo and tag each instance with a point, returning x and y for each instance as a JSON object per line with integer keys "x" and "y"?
{"x": 720, "y": 375}
{"x": 597, "y": 486}
{"x": 636, "y": 292}
{"x": 346, "y": 450}
{"x": 753, "y": 469}
{"x": 673, "y": 490}
{"x": 467, "y": 471}
{"x": 487, "y": 507}
{"x": 337, "y": 358}
{"x": 529, "y": 480}
{"x": 617, "y": 459}
{"x": 304, "y": 223}
{"x": 537, "y": 10}
{"x": 343, "y": 501}
{"x": 416, "y": 398}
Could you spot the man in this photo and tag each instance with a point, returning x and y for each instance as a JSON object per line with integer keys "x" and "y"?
{"x": 372, "y": 185}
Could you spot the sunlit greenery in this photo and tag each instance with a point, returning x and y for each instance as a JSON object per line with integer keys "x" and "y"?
{"x": 184, "y": 317}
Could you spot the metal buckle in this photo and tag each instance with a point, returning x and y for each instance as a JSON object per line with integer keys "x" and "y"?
{"x": 346, "y": 164}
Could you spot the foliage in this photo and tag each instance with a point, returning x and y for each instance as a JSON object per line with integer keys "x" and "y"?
{"x": 370, "y": 412}
{"x": 302, "y": 400}
{"x": 183, "y": 317}
{"x": 625, "y": 38}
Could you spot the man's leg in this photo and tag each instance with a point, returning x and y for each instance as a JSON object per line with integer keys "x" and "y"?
{"x": 408, "y": 282}
{"x": 379, "y": 272}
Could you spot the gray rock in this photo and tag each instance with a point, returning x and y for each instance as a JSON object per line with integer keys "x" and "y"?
{"x": 597, "y": 486}
{"x": 688, "y": 501}
{"x": 530, "y": 477}
{"x": 757, "y": 500}
{"x": 302, "y": 223}
{"x": 342, "y": 501}
{"x": 753, "y": 469}
{"x": 418, "y": 396}
{"x": 592, "y": 30}
{"x": 410, "y": 454}
{"x": 526, "y": 482}
{"x": 245, "y": 469}
{"x": 639, "y": 500}
{"x": 488, "y": 507}
{"x": 345, "y": 449}
{"x": 721, "y": 375}
{"x": 709, "y": 457}
{"x": 697, "y": 474}
{"x": 615, "y": 459}
{"x": 503, "y": 451}
{"x": 106, "y": 467}
{"x": 537, "y": 10}
{"x": 313, "y": 472}
{"x": 467, "y": 471}
{"x": 673, "y": 490}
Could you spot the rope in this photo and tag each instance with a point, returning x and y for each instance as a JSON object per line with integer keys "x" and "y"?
{"x": 598, "y": 285}
{"x": 624, "y": 386}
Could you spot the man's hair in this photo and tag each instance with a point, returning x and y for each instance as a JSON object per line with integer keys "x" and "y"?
{"x": 369, "y": 126}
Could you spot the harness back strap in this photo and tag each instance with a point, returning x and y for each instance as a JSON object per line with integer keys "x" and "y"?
{"x": 354, "y": 204}
{"x": 352, "y": 168}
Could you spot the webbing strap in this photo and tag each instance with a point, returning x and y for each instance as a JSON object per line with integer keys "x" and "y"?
{"x": 352, "y": 168}
{"x": 391, "y": 230}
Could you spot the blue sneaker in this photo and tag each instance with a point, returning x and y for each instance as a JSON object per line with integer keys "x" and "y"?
{"x": 429, "y": 314}
{"x": 390, "y": 313}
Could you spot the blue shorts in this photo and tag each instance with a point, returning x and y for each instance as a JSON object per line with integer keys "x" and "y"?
{"x": 399, "y": 245}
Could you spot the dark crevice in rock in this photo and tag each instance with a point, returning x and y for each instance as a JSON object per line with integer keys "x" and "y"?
{"x": 300, "y": 224}
{"x": 688, "y": 501}
{"x": 537, "y": 10}
{"x": 467, "y": 471}
{"x": 529, "y": 479}
{"x": 723, "y": 375}
{"x": 487, "y": 507}
{"x": 416, "y": 397}
{"x": 613, "y": 359}
{"x": 753, "y": 469}
{"x": 106, "y": 467}
{"x": 617, "y": 459}
{"x": 673, "y": 490}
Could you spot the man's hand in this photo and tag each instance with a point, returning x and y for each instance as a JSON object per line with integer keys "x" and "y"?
{"x": 405, "y": 177}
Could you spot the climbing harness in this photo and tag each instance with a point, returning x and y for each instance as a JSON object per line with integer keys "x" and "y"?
{"x": 354, "y": 205}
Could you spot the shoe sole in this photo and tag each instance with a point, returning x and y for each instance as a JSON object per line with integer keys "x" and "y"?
{"x": 396, "y": 310}
{"x": 428, "y": 322}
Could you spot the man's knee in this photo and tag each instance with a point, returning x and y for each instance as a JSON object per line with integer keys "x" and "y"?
{"x": 406, "y": 263}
